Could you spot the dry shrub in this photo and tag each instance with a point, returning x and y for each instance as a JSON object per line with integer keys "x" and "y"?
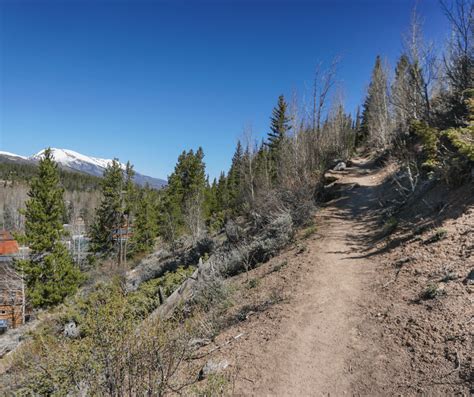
{"x": 116, "y": 355}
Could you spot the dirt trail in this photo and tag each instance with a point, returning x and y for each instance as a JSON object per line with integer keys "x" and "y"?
{"x": 320, "y": 349}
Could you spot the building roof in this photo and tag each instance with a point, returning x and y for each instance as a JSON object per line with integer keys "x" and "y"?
{"x": 8, "y": 245}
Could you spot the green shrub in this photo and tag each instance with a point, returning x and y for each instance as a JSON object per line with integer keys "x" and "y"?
{"x": 253, "y": 283}
{"x": 430, "y": 139}
{"x": 390, "y": 225}
{"x": 117, "y": 353}
{"x": 146, "y": 298}
{"x": 279, "y": 266}
{"x": 309, "y": 231}
{"x": 440, "y": 234}
{"x": 215, "y": 385}
{"x": 432, "y": 291}
{"x": 463, "y": 138}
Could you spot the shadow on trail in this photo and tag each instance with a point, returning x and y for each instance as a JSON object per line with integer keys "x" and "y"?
{"x": 366, "y": 204}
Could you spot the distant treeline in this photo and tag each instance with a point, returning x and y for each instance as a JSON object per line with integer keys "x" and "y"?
{"x": 70, "y": 180}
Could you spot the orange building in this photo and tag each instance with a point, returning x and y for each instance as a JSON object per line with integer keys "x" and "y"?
{"x": 8, "y": 245}
{"x": 12, "y": 310}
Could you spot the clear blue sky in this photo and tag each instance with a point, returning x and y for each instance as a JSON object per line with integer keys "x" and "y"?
{"x": 143, "y": 80}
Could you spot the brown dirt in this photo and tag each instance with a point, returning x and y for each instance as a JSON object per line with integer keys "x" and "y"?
{"x": 327, "y": 318}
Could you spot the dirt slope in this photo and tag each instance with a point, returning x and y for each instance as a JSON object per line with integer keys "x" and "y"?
{"x": 339, "y": 324}
{"x": 318, "y": 341}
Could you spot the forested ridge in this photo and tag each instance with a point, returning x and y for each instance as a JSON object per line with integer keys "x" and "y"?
{"x": 12, "y": 172}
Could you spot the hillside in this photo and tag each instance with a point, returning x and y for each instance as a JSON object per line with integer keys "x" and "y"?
{"x": 344, "y": 309}
{"x": 331, "y": 255}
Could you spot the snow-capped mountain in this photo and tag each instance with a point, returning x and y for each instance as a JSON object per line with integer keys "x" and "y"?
{"x": 77, "y": 161}
{"x": 69, "y": 159}
{"x": 12, "y": 155}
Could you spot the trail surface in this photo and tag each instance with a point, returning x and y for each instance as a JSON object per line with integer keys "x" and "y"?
{"x": 323, "y": 346}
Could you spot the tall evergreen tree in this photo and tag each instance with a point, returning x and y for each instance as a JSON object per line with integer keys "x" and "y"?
{"x": 145, "y": 227}
{"x": 50, "y": 273}
{"x": 109, "y": 214}
{"x": 376, "y": 108}
{"x": 403, "y": 110}
{"x": 223, "y": 193}
{"x": 234, "y": 179}
{"x": 130, "y": 191}
{"x": 280, "y": 125}
{"x": 357, "y": 121}
{"x": 185, "y": 194}
{"x": 363, "y": 132}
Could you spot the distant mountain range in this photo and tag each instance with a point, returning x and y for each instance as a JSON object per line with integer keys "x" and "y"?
{"x": 73, "y": 161}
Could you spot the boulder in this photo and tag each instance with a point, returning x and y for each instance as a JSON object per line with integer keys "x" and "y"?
{"x": 213, "y": 367}
{"x": 341, "y": 166}
{"x": 71, "y": 330}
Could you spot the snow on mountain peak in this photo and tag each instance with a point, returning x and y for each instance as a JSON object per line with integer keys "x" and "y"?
{"x": 11, "y": 155}
{"x": 87, "y": 164}
{"x": 70, "y": 157}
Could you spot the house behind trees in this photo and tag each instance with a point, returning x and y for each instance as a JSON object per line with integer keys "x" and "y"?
{"x": 12, "y": 300}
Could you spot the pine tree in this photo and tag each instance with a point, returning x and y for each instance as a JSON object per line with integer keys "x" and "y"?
{"x": 223, "y": 193}
{"x": 263, "y": 168}
{"x": 183, "y": 203}
{"x": 50, "y": 273}
{"x": 109, "y": 214}
{"x": 130, "y": 191}
{"x": 375, "y": 120}
{"x": 401, "y": 88}
{"x": 357, "y": 121}
{"x": 363, "y": 133}
{"x": 145, "y": 227}
{"x": 280, "y": 125}
{"x": 234, "y": 179}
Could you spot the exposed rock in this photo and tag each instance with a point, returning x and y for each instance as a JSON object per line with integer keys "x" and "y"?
{"x": 400, "y": 262}
{"x": 335, "y": 162}
{"x": 198, "y": 342}
{"x": 340, "y": 166}
{"x": 213, "y": 367}
{"x": 71, "y": 330}
{"x": 469, "y": 280}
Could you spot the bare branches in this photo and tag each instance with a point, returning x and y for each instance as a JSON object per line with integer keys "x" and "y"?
{"x": 423, "y": 66}
{"x": 460, "y": 15}
{"x": 324, "y": 81}
{"x": 458, "y": 61}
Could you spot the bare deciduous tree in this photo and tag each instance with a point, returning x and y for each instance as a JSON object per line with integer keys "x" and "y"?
{"x": 324, "y": 81}
{"x": 423, "y": 67}
{"x": 458, "y": 61}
